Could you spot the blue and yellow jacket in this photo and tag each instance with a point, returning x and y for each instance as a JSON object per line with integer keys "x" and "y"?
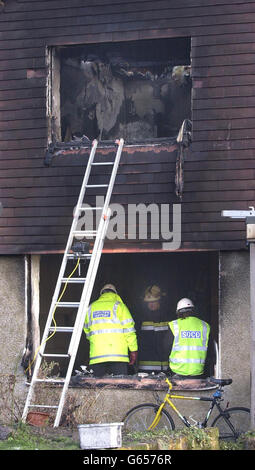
{"x": 110, "y": 329}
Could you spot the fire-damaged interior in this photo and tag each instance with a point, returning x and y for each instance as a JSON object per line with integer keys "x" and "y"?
{"x": 192, "y": 275}
{"x": 137, "y": 90}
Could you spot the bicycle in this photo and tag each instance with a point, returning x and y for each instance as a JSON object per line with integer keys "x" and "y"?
{"x": 231, "y": 422}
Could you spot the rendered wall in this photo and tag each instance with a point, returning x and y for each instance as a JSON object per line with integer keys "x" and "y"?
{"x": 12, "y": 335}
{"x": 234, "y": 325}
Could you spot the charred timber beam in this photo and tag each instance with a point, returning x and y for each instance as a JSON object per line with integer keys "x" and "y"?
{"x": 138, "y": 383}
{"x": 83, "y": 145}
{"x": 56, "y": 148}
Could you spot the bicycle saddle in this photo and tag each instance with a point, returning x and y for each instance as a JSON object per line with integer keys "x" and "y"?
{"x": 221, "y": 382}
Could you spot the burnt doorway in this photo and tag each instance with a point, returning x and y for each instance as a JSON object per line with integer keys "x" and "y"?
{"x": 191, "y": 274}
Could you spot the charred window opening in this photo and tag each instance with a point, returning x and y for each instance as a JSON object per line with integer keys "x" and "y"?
{"x": 139, "y": 90}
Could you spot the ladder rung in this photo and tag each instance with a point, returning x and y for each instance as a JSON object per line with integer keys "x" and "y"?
{"x": 74, "y": 280}
{"x": 53, "y": 381}
{"x": 55, "y": 355}
{"x": 103, "y": 163}
{"x": 97, "y": 185}
{"x": 74, "y": 256}
{"x": 84, "y": 233}
{"x": 61, "y": 329}
{"x": 68, "y": 304}
{"x": 83, "y": 208}
{"x": 43, "y": 406}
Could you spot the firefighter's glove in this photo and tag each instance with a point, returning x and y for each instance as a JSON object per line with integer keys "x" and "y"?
{"x": 133, "y": 357}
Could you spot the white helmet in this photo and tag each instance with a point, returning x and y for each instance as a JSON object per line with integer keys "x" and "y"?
{"x": 108, "y": 287}
{"x": 184, "y": 303}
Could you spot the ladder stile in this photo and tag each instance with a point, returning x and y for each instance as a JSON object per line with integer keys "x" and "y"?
{"x": 91, "y": 275}
{"x": 113, "y": 175}
{"x": 68, "y": 246}
{"x": 84, "y": 304}
{"x": 88, "y": 284}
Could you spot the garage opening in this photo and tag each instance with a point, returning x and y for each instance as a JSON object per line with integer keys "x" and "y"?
{"x": 193, "y": 275}
{"x": 137, "y": 90}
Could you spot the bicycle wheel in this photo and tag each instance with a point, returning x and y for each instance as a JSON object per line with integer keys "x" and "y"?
{"x": 232, "y": 423}
{"x": 140, "y": 418}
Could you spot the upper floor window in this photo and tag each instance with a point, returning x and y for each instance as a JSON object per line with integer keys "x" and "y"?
{"x": 137, "y": 90}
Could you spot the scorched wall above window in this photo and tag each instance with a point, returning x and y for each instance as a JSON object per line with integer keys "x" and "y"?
{"x": 139, "y": 90}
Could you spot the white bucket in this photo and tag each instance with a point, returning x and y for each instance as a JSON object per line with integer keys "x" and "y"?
{"x": 100, "y": 436}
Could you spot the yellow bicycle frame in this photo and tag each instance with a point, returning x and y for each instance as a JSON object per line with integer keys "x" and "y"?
{"x": 170, "y": 403}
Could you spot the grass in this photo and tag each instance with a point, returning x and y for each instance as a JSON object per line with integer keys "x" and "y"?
{"x": 24, "y": 437}
{"x": 195, "y": 436}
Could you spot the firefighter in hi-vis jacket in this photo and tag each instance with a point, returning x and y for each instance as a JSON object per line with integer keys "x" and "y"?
{"x": 154, "y": 335}
{"x": 110, "y": 329}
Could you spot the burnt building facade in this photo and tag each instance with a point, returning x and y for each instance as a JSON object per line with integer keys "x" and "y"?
{"x": 175, "y": 80}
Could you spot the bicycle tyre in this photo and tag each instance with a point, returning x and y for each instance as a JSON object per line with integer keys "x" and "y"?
{"x": 239, "y": 418}
{"x": 141, "y": 416}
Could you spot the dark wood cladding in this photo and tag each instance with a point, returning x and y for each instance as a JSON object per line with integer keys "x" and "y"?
{"x": 220, "y": 168}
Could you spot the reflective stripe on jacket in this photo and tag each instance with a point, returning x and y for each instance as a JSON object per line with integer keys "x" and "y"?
{"x": 189, "y": 349}
{"x": 110, "y": 329}
{"x": 154, "y": 346}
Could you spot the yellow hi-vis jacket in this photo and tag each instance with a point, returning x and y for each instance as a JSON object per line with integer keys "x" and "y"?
{"x": 110, "y": 329}
{"x": 190, "y": 344}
